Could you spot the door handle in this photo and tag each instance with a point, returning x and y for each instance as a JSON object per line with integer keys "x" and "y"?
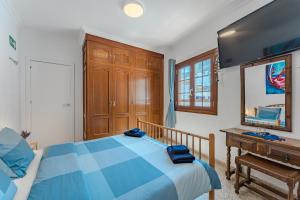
{"x": 112, "y": 103}
{"x": 66, "y": 105}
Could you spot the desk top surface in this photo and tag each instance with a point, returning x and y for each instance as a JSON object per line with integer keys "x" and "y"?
{"x": 287, "y": 143}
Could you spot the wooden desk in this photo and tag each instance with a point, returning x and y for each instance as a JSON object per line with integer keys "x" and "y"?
{"x": 287, "y": 151}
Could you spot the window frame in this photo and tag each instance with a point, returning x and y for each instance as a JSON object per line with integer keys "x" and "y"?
{"x": 213, "y": 109}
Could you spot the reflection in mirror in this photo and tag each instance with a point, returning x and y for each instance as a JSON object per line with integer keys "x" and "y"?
{"x": 265, "y": 99}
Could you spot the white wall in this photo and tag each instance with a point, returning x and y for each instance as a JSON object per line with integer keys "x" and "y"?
{"x": 9, "y": 72}
{"x": 60, "y": 47}
{"x": 229, "y": 96}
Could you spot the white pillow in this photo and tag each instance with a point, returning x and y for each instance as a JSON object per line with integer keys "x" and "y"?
{"x": 24, "y": 184}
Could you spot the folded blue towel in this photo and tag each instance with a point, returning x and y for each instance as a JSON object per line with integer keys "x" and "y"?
{"x": 134, "y": 130}
{"x": 264, "y": 135}
{"x": 181, "y": 158}
{"x": 178, "y": 149}
{"x": 135, "y": 133}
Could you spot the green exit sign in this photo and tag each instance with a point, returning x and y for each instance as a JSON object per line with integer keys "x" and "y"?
{"x": 12, "y": 42}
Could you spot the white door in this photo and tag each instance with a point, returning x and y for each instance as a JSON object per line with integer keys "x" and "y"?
{"x": 52, "y": 103}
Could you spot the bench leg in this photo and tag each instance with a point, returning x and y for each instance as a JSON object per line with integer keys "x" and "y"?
{"x": 248, "y": 175}
{"x": 291, "y": 193}
{"x": 237, "y": 176}
{"x": 239, "y": 154}
{"x": 298, "y": 191}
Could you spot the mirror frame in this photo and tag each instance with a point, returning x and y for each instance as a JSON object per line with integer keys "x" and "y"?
{"x": 288, "y": 92}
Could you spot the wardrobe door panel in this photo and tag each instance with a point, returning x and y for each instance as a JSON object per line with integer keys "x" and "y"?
{"x": 155, "y": 63}
{"x": 121, "y": 104}
{"x": 141, "y": 60}
{"x": 122, "y": 57}
{"x": 101, "y": 126}
{"x": 101, "y": 79}
{"x": 142, "y": 117}
{"x": 100, "y": 101}
{"x": 141, "y": 95}
{"x": 155, "y": 97}
{"x": 99, "y": 53}
{"x": 121, "y": 124}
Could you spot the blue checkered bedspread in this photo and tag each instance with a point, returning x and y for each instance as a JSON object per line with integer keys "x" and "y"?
{"x": 119, "y": 167}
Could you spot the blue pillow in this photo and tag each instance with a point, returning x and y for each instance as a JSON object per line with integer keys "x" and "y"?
{"x": 7, "y": 170}
{"x": 15, "y": 151}
{"x": 268, "y": 113}
{"x": 7, "y": 188}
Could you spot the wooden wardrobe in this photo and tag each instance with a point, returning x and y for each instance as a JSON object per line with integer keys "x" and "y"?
{"x": 121, "y": 83}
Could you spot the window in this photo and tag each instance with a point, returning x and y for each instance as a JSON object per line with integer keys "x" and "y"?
{"x": 196, "y": 84}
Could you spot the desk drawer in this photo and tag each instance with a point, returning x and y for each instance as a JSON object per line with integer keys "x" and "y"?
{"x": 284, "y": 155}
{"x": 262, "y": 148}
{"x": 242, "y": 143}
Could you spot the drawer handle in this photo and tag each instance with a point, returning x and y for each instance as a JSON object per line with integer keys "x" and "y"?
{"x": 286, "y": 157}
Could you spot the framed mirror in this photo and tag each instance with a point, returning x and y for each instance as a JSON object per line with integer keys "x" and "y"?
{"x": 266, "y": 93}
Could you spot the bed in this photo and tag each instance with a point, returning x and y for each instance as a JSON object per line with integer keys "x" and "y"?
{"x": 121, "y": 167}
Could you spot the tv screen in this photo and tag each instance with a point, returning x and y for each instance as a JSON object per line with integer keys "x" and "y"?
{"x": 269, "y": 31}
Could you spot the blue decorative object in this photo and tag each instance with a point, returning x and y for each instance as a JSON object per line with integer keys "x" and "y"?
{"x": 136, "y": 132}
{"x": 178, "y": 149}
{"x": 171, "y": 115}
{"x": 264, "y": 135}
{"x": 15, "y": 151}
{"x": 7, "y": 188}
{"x": 275, "y": 78}
{"x": 180, "y": 158}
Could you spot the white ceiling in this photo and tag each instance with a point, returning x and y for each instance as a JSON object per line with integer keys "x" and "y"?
{"x": 163, "y": 23}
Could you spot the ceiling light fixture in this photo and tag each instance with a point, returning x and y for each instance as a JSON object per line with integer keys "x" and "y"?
{"x": 228, "y": 33}
{"x": 133, "y": 9}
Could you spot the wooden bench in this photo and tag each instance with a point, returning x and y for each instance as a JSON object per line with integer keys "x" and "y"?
{"x": 284, "y": 173}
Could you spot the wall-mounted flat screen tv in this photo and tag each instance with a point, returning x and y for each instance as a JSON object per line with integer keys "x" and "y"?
{"x": 271, "y": 30}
